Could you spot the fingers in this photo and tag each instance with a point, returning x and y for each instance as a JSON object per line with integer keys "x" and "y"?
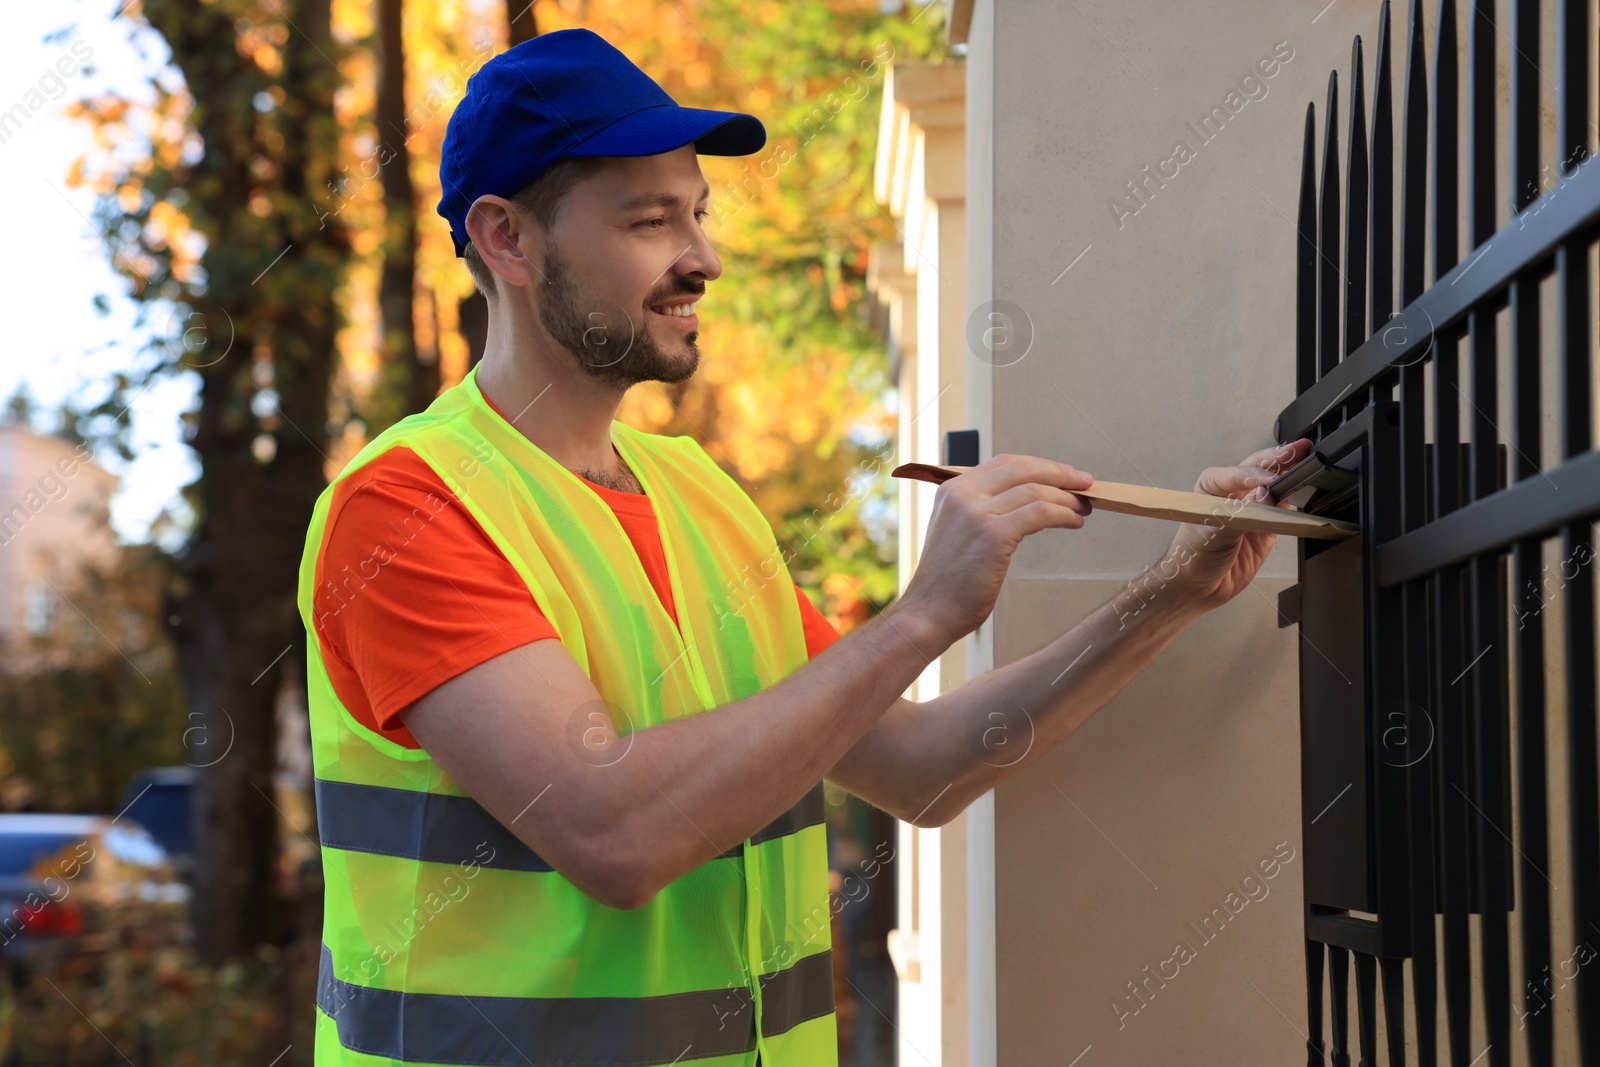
{"x": 1279, "y": 458}
{"x": 1039, "y": 515}
{"x": 1005, "y": 471}
{"x": 1236, "y": 482}
{"x": 1250, "y": 478}
{"x": 1020, "y": 496}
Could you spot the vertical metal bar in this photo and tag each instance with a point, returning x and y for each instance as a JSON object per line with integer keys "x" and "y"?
{"x": 1446, "y": 145}
{"x": 1414, "y": 166}
{"x": 1380, "y": 243}
{"x": 1525, "y": 76}
{"x": 1367, "y": 1007}
{"x": 1481, "y": 138}
{"x": 1392, "y": 782}
{"x": 1572, "y": 93}
{"x": 1578, "y": 560}
{"x": 1339, "y": 995}
{"x": 1489, "y": 714}
{"x": 1305, "y": 263}
{"x": 1393, "y": 973}
{"x": 1355, "y": 245}
{"x": 1526, "y": 419}
{"x": 1577, "y": 413}
{"x": 1308, "y": 276}
{"x": 1414, "y": 506}
{"x": 1448, "y": 657}
{"x": 1328, "y": 350}
{"x": 1316, "y": 1051}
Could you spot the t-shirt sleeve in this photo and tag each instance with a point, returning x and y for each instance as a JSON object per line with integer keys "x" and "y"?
{"x": 419, "y": 594}
{"x": 411, "y": 592}
{"x": 820, "y": 633}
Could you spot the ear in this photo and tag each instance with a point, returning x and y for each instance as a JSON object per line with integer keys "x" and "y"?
{"x": 503, "y": 238}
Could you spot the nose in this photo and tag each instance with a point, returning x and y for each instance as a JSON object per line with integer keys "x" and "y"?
{"x": 699, "y": 258}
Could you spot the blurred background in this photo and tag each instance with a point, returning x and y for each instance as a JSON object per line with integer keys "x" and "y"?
{"x": 227, "y": 275}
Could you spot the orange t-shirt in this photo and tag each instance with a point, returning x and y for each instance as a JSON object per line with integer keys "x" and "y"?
{"x": 426, "y": 616}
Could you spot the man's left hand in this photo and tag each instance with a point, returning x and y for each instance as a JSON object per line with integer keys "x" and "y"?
{"x": 1214, "y": 564}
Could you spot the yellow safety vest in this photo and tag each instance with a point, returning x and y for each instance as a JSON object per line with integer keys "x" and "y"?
{"x": 446, "y": 940}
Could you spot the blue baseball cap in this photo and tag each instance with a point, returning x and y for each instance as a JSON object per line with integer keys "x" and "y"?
{"x": 567, "y": 93}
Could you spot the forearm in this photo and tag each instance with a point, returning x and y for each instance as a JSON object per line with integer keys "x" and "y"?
{"x": 700, "y": 785}
{"x": 960, "y": 745}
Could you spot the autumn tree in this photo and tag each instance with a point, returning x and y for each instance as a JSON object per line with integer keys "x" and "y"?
{"x": 94, "y": 697}
{"x": 217, "y": 229}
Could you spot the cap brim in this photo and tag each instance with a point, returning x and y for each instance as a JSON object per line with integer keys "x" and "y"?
{"x": 663, "y": 129}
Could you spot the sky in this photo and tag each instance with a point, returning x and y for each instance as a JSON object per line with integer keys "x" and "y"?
{"x": 59, "y": 345}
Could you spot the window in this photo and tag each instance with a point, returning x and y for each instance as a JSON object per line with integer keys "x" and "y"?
{"x": 37, "y": 608}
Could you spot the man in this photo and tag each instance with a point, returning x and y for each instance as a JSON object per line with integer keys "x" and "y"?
{"x": 570, "y": 718}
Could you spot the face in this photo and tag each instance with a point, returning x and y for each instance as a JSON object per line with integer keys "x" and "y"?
{"x": 624, "y": 263}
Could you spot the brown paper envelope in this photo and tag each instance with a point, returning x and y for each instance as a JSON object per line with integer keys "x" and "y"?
{"x": 1177, "y": 505}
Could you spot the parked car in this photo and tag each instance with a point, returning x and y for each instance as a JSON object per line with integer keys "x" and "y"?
{"x": 160, "y": 800}
{"x": 66, "y": 880}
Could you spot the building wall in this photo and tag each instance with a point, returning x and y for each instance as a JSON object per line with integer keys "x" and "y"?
{"x": 1161, "y": 343}
{"x": 975, "y": 25}
{"x": 919, "y": 285}
{"x": 1152, "y": 288}
{"x": 54, "y": 505}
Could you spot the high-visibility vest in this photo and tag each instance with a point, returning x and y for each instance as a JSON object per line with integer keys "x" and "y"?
{"x": 446, "y": 940}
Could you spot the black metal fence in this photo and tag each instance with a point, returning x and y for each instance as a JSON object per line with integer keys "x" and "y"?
{"x": 1448, "y": 678}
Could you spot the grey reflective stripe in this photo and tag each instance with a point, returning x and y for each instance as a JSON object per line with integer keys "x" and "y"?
{"x": 439, "y": 828}
{"x": 809, "y": 810}
{"x": 563, "y": 1031}
{"x": 433, "y": 827}
{"x": 791, "y": 996}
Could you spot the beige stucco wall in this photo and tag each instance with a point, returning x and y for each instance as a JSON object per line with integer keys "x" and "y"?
{"x": 54, "y": 505}
{"x": 1165, "y": 348}
{"x": 919, "y": 287}
{"x": 1161, "y": 333}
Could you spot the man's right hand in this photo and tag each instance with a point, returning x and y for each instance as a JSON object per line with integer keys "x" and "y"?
{"x": 979, "y": 518}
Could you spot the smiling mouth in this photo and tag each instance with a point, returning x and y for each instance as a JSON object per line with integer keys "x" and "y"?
{"x": 677, "y": 311}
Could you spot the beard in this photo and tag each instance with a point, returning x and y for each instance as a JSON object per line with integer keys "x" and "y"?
{"x": 603, "y": 337}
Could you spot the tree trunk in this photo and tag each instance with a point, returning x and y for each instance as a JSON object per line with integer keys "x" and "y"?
{"x": 472, "y": 319}
{"x": 520, "y": 19}
{"x": 472, "y": 314}
{"x": 268, "y": 300}
{"x": 415, "y": 381}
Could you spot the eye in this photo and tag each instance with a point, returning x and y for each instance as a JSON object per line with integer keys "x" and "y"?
{"x": 651, "y": 224}
{"x": 700, "y": 216}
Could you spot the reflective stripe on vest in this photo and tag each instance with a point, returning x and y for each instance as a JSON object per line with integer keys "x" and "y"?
{"x": 594, "y": 1031}
{"x": 447, "y": 940}
{"x": 440, "y": 828}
